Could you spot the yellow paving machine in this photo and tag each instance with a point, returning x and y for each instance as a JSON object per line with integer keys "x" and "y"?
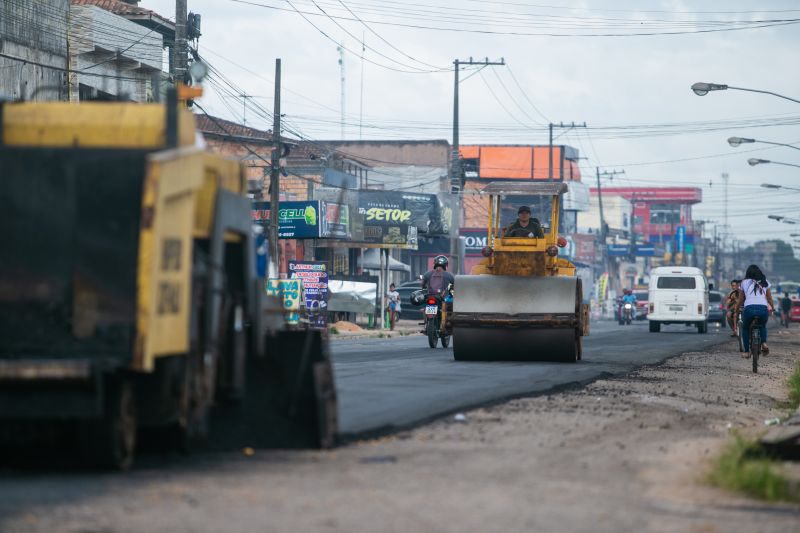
{"x": 522, "y": 302}
{"x": 128, "y": 296}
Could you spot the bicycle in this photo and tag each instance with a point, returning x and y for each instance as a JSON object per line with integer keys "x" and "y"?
{"x": 755, "y": 342}
{"x": 755, "y": 338}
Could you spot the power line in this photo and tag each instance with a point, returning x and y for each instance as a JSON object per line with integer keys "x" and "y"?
{"x": 734, "y": 26}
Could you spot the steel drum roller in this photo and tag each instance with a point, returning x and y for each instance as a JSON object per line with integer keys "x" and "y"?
{"x": 511, "y": 318}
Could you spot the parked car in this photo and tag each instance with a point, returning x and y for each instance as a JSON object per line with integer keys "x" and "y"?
{"x": 407, "y": 310}
{"x": 716, "y": 307}
{"x": 794, "y": 313}
{"x": 641, "y": 304}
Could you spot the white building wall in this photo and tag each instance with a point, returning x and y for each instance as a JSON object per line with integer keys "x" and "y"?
{"x": 616, "y": 211}
{"x": 96, "y": 36}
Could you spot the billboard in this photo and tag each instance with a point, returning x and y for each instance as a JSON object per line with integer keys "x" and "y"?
{"x": 314, "y": 275}
{"x": 335, "y": 221}
{"x": 290, "y": 292}
{"x": 311, "y": 219}
{"x": 393, "y": 217}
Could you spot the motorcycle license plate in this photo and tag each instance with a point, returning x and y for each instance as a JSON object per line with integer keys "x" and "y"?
{"x": 431, "y": 310}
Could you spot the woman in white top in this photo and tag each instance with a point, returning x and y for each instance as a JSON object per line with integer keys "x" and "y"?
{"x": 756, "y": 298}
{"x": 393, "y": 305}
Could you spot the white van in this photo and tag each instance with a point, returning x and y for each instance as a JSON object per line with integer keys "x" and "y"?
{"x": 678, "y": 295}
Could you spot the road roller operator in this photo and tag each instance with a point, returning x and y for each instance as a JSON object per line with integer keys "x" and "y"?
{"x": 525, "y": 226}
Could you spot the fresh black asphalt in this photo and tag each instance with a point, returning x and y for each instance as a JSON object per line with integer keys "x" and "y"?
{"x": 389, "y": 384}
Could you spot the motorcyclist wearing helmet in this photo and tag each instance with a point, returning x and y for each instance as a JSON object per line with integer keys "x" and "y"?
{"x": 438, "y": 279}
{"x": 629, "y": 298}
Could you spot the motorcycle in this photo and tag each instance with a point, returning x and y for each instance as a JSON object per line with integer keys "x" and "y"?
{"x": 438, "y": 308}
{"x": 626, "y": 314}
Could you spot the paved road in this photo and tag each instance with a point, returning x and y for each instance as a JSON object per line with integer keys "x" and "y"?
{"x": 386, "y": 384}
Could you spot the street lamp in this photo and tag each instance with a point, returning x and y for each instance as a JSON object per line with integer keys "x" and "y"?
{"x": 702, "y": 88}
{"x": 773, "y": 186}
{"x": 785, "y": 220}
{"x": 736, "y": 141}
{"x": 753, "y": 162}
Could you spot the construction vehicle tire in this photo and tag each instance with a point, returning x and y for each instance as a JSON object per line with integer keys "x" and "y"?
{"x": 110, "y": 442}
{"x": 290, "y": 400}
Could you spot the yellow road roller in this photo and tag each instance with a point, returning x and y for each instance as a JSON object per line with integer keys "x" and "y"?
{"x": 522, "y": 302}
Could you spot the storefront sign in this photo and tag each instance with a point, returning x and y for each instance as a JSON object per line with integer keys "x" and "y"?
{"x": 296, "y": 220}
{"x": 392, "y": 217}
{"x": 618, "y": 250}
{"x": 335, "y": 221}
{"x": 290, "y": 292}
{"x": 475, "y": 240}
{"x": 680, "y": 237}
{"x": 307, "y": 220}
{"x": 314, "y": 276}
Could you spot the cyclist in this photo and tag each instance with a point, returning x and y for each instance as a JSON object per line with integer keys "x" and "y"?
{"x": 756, "y": 299}
{"x": 731, "y": 300}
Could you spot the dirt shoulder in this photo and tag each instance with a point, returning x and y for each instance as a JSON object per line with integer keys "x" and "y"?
{"x": 622, "y": 454}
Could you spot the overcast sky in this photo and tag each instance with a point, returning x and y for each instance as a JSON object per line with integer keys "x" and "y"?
{"x": 615, "y": 84}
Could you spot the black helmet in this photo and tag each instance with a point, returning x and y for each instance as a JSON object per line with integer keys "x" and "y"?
{"x": 441, "y": 261}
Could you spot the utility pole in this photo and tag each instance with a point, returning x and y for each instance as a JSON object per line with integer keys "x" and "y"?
{"x": 725, "y": 203}
{"x": 244, "y": 107}
{"x": 275, "y": 174}
{"x": 455, "y": 164}
{"x": 180, "y": 48}
{"x": 603, "y": 233}
{"x": 361, "y": 99}
{"x": 550, "y": 152}
{"x": 343, "y": 95}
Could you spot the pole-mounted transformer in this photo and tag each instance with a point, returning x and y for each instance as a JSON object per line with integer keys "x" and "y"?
{"x": 193, "y": 26}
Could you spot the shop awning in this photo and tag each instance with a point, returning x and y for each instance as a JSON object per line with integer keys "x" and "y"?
{"x": 371, "y": 260}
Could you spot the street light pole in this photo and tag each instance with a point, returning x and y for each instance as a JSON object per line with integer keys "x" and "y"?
{"x": 753, "y": 162}
{"x": 736, "y": 141}
{"x": 773, "y": 186}
{"x": 703, "y": 88}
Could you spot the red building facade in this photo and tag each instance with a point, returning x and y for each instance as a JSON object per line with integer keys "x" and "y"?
{"x": 660, "y": 212}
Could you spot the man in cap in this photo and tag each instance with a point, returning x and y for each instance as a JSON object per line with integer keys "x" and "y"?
{"x": 524, "y": 226}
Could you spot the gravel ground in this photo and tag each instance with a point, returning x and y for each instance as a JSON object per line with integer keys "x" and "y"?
{"x": 622, "y": 454}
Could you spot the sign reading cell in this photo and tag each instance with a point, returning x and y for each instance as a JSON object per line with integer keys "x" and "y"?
{"x": 314, "y": 275}
{"x": 296, "y": 220}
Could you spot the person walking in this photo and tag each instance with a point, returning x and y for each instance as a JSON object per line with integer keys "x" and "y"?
{"x": 393, "y": 305}
{"x": 756, "y": 299}
{"x": 786, "y": 309}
